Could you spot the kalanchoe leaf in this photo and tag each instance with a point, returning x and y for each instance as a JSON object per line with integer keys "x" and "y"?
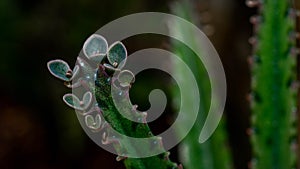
{"x": 117, "y": 55}
{"x": 93, "y": 123}
{"x": 87, "y": 100}
{"x": 95, "y": 47}
{"x": 60, "y": 69}
{"x": 126, "y": 78}
{"x": 75, "y": 72}
{"x": 72, "y": 101}
{"x": 108, "y": 66}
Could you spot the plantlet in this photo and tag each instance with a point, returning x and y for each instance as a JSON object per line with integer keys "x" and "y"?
{"x": 103, "y": 87}
{"x": 273, "y": 97}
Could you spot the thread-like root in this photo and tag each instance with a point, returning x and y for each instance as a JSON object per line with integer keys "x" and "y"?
{"x": 120, "y": 158}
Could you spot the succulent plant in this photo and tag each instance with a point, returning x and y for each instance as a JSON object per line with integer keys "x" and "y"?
{"x": 104, "y": 85}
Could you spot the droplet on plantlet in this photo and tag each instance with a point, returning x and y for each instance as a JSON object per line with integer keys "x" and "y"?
{"x": 252, "y": 3}
{"x": 81, "y": 103}
{"x": 120, "y": 93}
{"x": 115, "y": 64}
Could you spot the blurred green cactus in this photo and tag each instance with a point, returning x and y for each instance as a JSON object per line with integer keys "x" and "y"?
{"x": 214, "y": 153}
{"x": 273, "y": 98}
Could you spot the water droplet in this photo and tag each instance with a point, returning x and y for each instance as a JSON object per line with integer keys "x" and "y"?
{"x": 108, "y": 80}
{"x": 81, "y": 103}
{"x": 120, "y": 93}
{"x": 115, "y": 64}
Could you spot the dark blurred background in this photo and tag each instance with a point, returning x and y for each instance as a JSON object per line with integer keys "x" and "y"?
{"x": 37, "y": 130}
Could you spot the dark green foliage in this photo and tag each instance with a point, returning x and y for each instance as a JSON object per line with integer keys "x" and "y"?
{"x": 127, "y": 127}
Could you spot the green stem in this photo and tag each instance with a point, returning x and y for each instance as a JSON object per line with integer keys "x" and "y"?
{"x": 273, "y": 94}
{"x": 127, "y": 127}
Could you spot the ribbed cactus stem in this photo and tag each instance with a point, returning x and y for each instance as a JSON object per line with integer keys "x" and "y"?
{"x": 273, "y": 97}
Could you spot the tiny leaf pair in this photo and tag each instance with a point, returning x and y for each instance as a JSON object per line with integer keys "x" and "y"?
{"x": 73, "y": 101}
{"x": 93, "y": 123}
{"x": 61, "y": 70}
{"x": 126, "y": 78}
{"x": 96, "y": 47}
